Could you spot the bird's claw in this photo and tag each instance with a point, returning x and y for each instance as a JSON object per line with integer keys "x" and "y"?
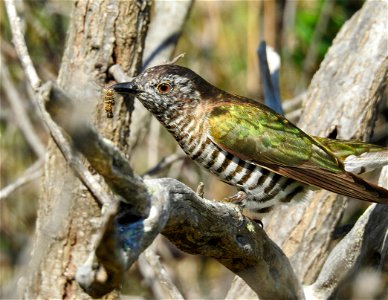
{"x": 236, "y": 198}
{"x": 200, "y": 189}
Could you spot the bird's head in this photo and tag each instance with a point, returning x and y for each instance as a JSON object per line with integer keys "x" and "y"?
{"x": 166, "y": 87}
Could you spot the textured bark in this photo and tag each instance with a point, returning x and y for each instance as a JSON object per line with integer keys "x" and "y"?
{"x": 68, "y": 217}
{"x": 193, "y": 224}
{"x": 342, "y": 98}
{"x": 101, "y": 33}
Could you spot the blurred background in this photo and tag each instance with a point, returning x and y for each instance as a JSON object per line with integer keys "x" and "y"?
{"x": 220, "y": 41}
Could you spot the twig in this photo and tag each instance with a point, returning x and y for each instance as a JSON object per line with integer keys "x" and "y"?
{"x": 20, "y": 45}
{"x": 293, "y": 107}
{"x": 176, "y": 168}
{"x": 164, "y": 163}
{"x": 32, "y": 173}
{"x": 176, "y": 59}
{"x": 73, "y": 159}
{"x": 320, "y": 28}
{"x": 119, "y": 75}
{"x": 165, "y": 30}
{"x": 155, "y": 273}
{"x": 193, "y": 224}
{"x": 20, "y": 113}
{"x": 125, "y": 183}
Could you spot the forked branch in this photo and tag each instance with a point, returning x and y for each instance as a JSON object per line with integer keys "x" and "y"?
{"x": 193, "y": 224}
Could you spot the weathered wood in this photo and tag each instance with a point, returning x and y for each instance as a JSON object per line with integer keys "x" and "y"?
{"x": 193, "y": 224}
{"x": 343, "y": 96}
{"x": 68, "y": 216}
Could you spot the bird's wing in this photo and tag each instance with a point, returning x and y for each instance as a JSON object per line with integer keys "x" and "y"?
{"x": 255, "y": 133}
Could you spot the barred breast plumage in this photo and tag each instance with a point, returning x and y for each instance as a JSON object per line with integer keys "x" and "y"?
{"x": 245, "y": 143}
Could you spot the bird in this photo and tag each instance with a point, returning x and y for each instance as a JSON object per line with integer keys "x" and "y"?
{"x": 246, "y": 144}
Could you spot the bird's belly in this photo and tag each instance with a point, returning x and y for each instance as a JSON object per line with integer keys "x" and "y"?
{"x": 263, "y": 188}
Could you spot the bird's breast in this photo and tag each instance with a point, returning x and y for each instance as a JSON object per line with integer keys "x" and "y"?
{"x": 263, "y": 187}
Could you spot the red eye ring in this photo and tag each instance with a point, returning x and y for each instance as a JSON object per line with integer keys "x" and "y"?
{"x": 164, "y": 88}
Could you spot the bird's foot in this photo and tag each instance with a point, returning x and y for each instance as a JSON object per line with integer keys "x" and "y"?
{"x": 236, "y": 198}
{"x": 200, "y": 189}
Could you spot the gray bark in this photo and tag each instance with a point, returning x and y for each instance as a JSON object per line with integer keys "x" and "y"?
{"x": 100, "y": 34}
{"x": 343, "y": 96}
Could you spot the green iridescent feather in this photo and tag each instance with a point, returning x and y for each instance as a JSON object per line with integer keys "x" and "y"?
{"x": 264, "y": 137}
{"x": 343, "y": 149}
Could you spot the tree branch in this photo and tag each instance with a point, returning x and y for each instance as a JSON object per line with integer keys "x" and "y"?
{"x": 162, "y": 38}
{"x": 81, "y": 171}
{"x": 193, "y": 224}
{"x": 102, "y": 156}
{"x": 32, "y": 173}
{"x": 366, "y": 241}
{"x": 342, "y": 99}
{"x": 20, "y": 45}
{"x": 157, "y": 276}
{"x": 20, "y": 113}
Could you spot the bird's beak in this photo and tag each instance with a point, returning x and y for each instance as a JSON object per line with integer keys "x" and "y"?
{"x": 126, "y": 88}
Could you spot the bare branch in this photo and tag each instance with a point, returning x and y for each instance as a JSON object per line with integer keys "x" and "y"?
{"x": 193, "y": 224}
{"x": 20, "y": 44}
{"x": 20, "y": 113}
{"x": 153, "y": 142}
{"x": 165, "y": 30}
{"x": 365, "y": 242}
{"x": 165, "y": 162}
{"x": 32, "y": 173}
{"x": 119, "y": 74}
{"x": 156, "y": 275}
{"x": 81, "y": 171}
{"x": 103, "y": 157}
{"x": 320, "y": 28}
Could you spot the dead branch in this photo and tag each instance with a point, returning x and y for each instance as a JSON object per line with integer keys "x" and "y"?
{"x": 115, "y": 170}
{"x": 32, "y": 173}
{"x": 358, "y": 250}
{"x": 162, "y": 37}
{"x": 193, "y": 224}
{"x": 342, "y": 99}
{"x": 81, "y": 171}
{"x": 20, "y": 45}
{"x": 20, "y": 113}
{"x": 366, "y": 240}
{"x": 165, "y": 162}
{"x": 156, "y": 275}
{"x": 68, "y": 214}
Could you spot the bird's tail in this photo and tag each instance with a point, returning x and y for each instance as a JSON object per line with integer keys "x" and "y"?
{"x": 357, "y": 157}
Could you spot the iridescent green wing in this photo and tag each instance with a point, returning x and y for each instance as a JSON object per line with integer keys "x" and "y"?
{"x": 255, "y": 133}
{"x": 258, "y": 134}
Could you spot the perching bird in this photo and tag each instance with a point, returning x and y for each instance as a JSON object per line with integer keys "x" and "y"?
{"x": 245, "y": 143}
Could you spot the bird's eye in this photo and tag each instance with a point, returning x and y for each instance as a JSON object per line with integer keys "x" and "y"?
{"x": 164, "y": 88}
